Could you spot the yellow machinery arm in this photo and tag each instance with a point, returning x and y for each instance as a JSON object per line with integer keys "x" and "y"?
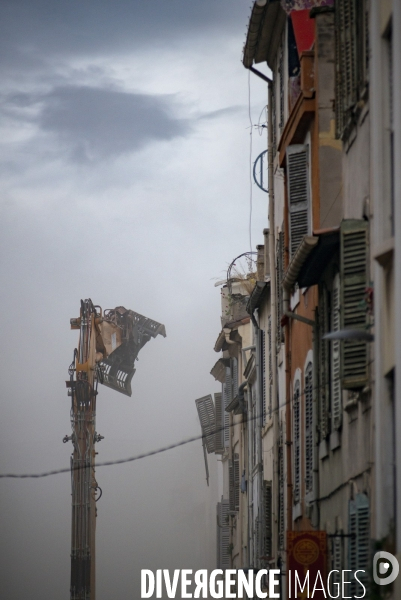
{"x": 108, "y": 346}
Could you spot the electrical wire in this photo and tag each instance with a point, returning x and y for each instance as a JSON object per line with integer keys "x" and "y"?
{"x": 152, "y": 452}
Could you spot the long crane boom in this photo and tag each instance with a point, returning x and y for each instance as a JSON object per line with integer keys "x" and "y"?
{"x": 108, "y": 346}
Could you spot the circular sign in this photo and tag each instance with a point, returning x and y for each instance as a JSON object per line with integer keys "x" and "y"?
{"x": 306, "y": 552}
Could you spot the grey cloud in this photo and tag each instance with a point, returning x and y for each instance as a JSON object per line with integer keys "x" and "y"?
{"x": 99, "y": 123}
{"x": 51, "y": 28}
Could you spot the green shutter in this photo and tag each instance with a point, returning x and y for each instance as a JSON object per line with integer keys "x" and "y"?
{"x": 231, "y": 487}
{"x": 236, "y": 481}
{"x": 298, "y": 193}
{"x": 335, "y": 380}
{"x": 354, "y": 266}
{"x": 309, "y": 428}
{"x": 297, "y": 441}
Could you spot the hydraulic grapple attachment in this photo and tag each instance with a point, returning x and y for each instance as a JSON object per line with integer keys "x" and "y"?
{"x": 124, "y": 332}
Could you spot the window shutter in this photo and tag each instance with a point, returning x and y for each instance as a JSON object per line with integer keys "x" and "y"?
{"x": 234, "y": 372}
{"x": 359, "y": 542}
{"x": 352, "y": 532}
{"x": 274, "y": 114}
{"x": 231, "y": 488}
{"x": 219, "y": 433}
{"x": 281, "y": 508}
{"x": 269, "y": 333}
{"x": 207, "y": 418}
{"x": 336, "y": 404}
{"x": 354, "y": 264}
{"x": 336, "y": 561}
{"x": 263, "y": 373}
{"x": 363, "y": 547}
{"x": 324, "y": 365}
{"x": 227, "y": 397}
{"x": 297, "y": 442}
{"x": 236, "y": 482}
{"x": 279, "y": 278}
{"x": 223, "y": 534}
{"x": 309, "y": 428}
{"x": 339, "y": 102}
{"x": 298, "y": 193}
{"x": 346, "y": 63}
{"x": 267, "y": 513}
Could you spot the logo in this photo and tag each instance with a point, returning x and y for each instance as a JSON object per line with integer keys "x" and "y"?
{"x": 385, "y": 568}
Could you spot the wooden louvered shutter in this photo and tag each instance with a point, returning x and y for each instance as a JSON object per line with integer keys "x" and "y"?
{"x": 219, "y": 433}
{"x": 352, "y": 532}
{"x": 227, "y": 397}
{"x": 207, "y": 418}
{"x": 297, "y": 441}
{"x": 346, "y": 62}
{"x": 218, "y": 534}
{"x": 267, "y": 513}
{"x": 324, "y": 363}
{"x": 263, "y": 373}
{"x": 339, "y": 95}
{"x": 298, "y": 194}
{"x": 354, "y": 266}
{"x": 231, "y": 485}
{"x": 336, "y": 562}
{"x": 359, "y": 542}
{"x": 269, "y": 333}
{"x": 363, "y": 547}
{"x": 279, "y": 278}
{"x": 281, "y": 505}
{"x": 223, "y": 535}
{"x": 234, "y": 375}
{"x": 309, "y": 428}
{"x": 336, "y": 404}
{"x": 236, "y": 481}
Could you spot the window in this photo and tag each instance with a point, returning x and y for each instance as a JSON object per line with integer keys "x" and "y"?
{"x": 309, "y": 428}
{"x": 269, "y": 334}
{"x": 359, "y": 542}
{"x": 267, "y": 513}
{"x": 324, "y": 362}
{"x": 263, "y": 373}
{"x": 220, "y": 416}
{"x": 234, "y": 482}
{"x": 297, "y": 440}
{"x": 207, "y": 418}
{"x": 336, "y": 404}
{"x": 279, "y": 279}
{"x": 281, "y": 482}
{"x": 352, "y": 56}
{"x": 223, "y": 535}
{"x": 298, "y": 194}
{"x": 354, "y": 266}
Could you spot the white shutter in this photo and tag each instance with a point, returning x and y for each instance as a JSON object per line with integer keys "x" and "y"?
{"x": 336, "y": 404}
{"x": 207, "y": 418}
{"x": 359, "y": 541}
{"x": 354, "y": 266}
{"x": 219, "y": 432}
{"x": 298, "y": 193}
{"x": 297, "y": 441}
{"x": 263, "y": 373}
{"x": 269, "y": 333}
{"x": 309, "y": 428}
{"x": 336, "y": 562}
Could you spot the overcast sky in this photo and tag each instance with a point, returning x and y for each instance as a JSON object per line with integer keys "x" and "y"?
{"x": 125, "y": 154}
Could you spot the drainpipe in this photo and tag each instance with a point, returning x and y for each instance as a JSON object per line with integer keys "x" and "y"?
{"x": 273, "y": 303}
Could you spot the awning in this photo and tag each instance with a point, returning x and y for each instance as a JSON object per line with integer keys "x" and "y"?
{"x": 264, "y": 33}
{"x": 258, "y": 294}
{"x": 311, "y": 258}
